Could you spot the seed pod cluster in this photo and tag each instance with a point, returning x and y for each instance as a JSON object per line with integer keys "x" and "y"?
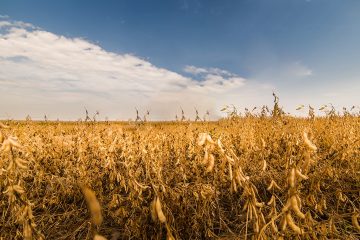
{"x": 209, "y": 144}
{"x": 9, "y": 144}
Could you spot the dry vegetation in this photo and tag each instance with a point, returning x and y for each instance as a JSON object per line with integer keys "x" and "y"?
{"x": 254, "y": 177}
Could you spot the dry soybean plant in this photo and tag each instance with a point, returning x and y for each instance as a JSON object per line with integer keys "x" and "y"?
{"x": 19, "y": 211}
{"x": 260, "y": 176}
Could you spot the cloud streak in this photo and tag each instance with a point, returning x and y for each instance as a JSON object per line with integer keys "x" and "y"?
{"x": 215, "y": 79}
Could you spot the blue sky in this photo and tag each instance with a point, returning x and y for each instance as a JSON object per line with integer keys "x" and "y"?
{"x": 202, "y": 54}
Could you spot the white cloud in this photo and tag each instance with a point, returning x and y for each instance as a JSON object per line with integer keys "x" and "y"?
{"x": 42, "y": 72}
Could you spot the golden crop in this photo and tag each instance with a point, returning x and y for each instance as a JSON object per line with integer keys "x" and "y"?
{"x": 238, "y": 178}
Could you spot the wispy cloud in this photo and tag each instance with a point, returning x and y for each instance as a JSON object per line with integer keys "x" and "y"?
{"x": 13, "y": 24}
{"x": 216, "y": 71}
{"x": 194, "y": 70}
{"x": 48, "y": 69}
{"x": 298, "y": 69}
{"x": 194, "y": 5}
{"x": 215, "y": 79}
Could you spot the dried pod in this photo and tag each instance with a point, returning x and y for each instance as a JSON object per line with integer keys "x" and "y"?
{"x": 250, "y": 211}
{"x": 295, "y": 207}
{"x": 93, "y": 205}
{"x": 272, "y": 200}
{"x": 342, "y": 197}
{"x": 221, "y": 147}
{"x": 206, "y": 158}
{"x": 21, "y": 163}
{"x": 99, "y": 237}
{"x": 153, "y": 210}
{"x": 263, "y": 144}
{"x": 283, "y": 224}
{"x": 6, "y": 146}
{"x": 286, "y": 206}
{"x": 259, "y": 205}
{"x": 256, "y": 226}
{"x": 159, "y": 211}
{"x": 240, "y": 176}
{"x": 211, "y": 163}
{"x": 10, "y": 166}
{"x": 272, "y": 185}
{"x": 307, "y": 161}
{"x": 3, "y": 125}
{"x": 201, "y": 139}
{"x": 291, "y": 178}
{"x": 245, "y": 206}
{"x": 254, "y": 211}
{"x": 308, "y": 218}
{"x": 308, "y": 143}
{"x": 18, "y": 189}
{"x": 323, "y": 203}
{"x": 27, "y": 231}
{"x": 169, "y": 235}
{"x": 230, "y": 160}
{"x": 262, "y": 217}
{"x": 233, "y": 185}
{"x": 9, "y": 190}
{"x": 300, "y": 175}
{"x": 273, "y": 225}
{"x": 264, "y": 165}
{"x": 209, "y": 139}
{"x": 292, "y": 225}
{"x": 354, "y": 221}
{"x": 230, "y": 172}
{"x": 14, "y": 142}
{"x": 30, "y": 213}
{"x": 333, "y": 228}
{"x": 23, "y": 214}
{"x": 298, "y": 200}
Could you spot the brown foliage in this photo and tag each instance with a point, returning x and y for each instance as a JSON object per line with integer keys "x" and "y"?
{"x": 188, "y": 180}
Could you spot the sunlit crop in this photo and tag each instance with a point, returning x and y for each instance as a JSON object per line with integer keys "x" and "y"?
{"x": 259, "y": 176}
